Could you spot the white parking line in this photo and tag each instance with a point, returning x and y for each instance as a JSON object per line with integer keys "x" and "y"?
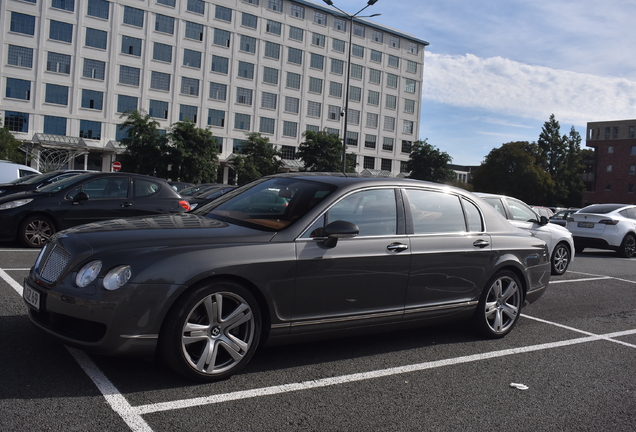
{"x": 267, "y": 391}
{"x": 12, "y": 283}
{"x": 580, "y": 280}
{"x": 133, "y": 415}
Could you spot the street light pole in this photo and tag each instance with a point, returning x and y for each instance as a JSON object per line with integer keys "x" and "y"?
{"x": 345, "y": 114}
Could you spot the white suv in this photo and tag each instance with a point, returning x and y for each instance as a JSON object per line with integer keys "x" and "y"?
{"x": 605, "y": 226}
{"x": 559, "y": 239}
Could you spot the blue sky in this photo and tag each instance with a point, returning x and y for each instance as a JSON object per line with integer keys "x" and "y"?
{"x": 496, "y": 69}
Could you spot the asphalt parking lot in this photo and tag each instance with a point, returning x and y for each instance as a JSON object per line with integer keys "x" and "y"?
{"x": 569, "y": 365}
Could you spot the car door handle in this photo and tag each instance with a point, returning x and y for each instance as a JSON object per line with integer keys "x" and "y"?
{"x": 397, "y": 247}
{"x": 126, "y": 204}
{"x": 481, "y": 243}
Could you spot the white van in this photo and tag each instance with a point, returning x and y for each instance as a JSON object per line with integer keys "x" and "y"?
{"x": 10, "y": 171}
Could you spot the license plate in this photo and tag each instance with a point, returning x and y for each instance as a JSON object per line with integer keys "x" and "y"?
{"x": 586, "y": 225}
{"x": 32, "y": 297}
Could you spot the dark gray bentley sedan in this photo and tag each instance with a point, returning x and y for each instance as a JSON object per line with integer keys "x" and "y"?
{"x": 284, "y": 258}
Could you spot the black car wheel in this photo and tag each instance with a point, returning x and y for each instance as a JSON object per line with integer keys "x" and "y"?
{"x": 560, "y": 259}
{"x": 500, "y": 305}
{"x": 628, "y": 246}
{"x": 211, "y": 332}
{"x": 36, "y": 231}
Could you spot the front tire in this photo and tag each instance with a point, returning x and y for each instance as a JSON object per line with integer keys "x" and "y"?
{"x": 500, "y": 305}
{"x": 560, "y": 259}
{"x": 36, "y": 231}
{"x": 628, "y": 246}
{"x": 211, "y": 332}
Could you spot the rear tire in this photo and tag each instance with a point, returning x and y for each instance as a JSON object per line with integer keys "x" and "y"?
{"x": 500, "y": 305}
{"x": 36, "y": 231}
{"x": 628, "y": 246}
{"x": 211, "y": 332}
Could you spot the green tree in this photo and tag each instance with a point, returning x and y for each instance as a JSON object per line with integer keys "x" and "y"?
{"x": 193, "y": 153}
{"x": 553, "y": 151}
{"x": 572, "y": 172}
{"x": 146, "y": 148}
{"x": 258, "y": 158}
{"x": 427, "y": 162}
{"x": 322, "y": 152}
{"x": 9, "y": 146}
{"x": 513, "y": 170}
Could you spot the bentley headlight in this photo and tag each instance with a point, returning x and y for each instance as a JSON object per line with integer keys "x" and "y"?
{"x": 88, "y": 273}
{"x": 117, "y": 277}
{"x": 14, "y": 204}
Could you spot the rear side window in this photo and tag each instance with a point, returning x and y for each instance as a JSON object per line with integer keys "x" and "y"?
{"x": 473, "y": 216}
{"x": 435, "y": 212}
{"x": 145, "y": 188}
{"x": 497, "y": 204}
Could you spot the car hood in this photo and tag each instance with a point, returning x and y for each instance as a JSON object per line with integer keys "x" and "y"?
{"x": 175, "y": 229}
{"x": 11, "y": 195}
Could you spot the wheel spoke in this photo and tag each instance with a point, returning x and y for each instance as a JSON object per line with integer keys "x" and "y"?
{"x": 207, "y": 361}
{"x": 236, "y": 351}
{"x": 239, "y": 316}
{"x": 213, "y": 306}
{"x": 509, "y": 292}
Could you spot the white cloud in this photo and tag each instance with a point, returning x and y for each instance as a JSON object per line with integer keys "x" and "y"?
{"x": 504, "y": 86}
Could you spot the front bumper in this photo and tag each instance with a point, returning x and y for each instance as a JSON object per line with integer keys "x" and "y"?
{"x": 122, "y": 322}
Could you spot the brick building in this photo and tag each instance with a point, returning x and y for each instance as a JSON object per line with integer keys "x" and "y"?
{"x": 611, "y": 173}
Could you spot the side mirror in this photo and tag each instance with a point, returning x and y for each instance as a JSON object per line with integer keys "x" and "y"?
{"x": 339, "y": 229}
{"x": 543, "y": 220}
{"x": 81, "y": 196}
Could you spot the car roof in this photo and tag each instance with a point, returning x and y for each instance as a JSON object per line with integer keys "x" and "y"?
{"x": 604, "y": 208}
{"x": 339, "y": 179}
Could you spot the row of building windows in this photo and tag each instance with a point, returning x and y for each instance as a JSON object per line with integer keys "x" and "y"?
{"x": 611, "y": 132}
{"x": 19, "y": 122}
{"x": 135, "y": 17}
{"x": 61, "y": 63}
{"x": 21, "y": 89}
{"x": 95, "y": 38}
{"x": 630, "y": 188}
{"x": 631, "y": 169}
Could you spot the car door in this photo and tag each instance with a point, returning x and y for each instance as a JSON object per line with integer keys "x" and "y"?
{"x": 107, "y": 199}
{"x": 451, "y": 253}
{"x": 522, "y": 216}
{"x": 362, "y": 278}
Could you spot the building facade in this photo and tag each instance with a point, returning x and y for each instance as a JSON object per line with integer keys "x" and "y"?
{"x": 611, "y": 173}
{"x": 70, "y": 69}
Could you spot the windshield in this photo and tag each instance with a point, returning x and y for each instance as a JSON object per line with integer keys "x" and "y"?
{"x": 271, "y": 204}
{"x": 35, "y": 179}
{"x": 59, "y": 185}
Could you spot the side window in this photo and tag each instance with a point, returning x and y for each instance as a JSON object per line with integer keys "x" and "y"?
{"x": 95, "y": 189}
{"x": 435, "y": 212}
{"x": 497, "y": 204}
{"x": 373, "y": 211}
{"x": 144, "y": 188}
{"x": 521, "y": 212}
{"x": 473, "y": 216}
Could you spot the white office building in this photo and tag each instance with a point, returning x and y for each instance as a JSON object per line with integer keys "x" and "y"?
{"x": 70, "y": 69}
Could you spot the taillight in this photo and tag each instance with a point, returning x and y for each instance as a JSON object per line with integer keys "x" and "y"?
{"x": 185, "y": 205}
{"x": 608, "y": 221}
{"x": 570, "y": 219}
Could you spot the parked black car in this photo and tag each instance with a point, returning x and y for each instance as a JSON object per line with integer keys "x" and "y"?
{"x": 330, "y": 256}
{"x": 37, "y": 181}
{"x": 34, "y": 216}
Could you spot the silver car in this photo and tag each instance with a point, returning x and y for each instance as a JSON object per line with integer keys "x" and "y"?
{"x": 558, "y": 239}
